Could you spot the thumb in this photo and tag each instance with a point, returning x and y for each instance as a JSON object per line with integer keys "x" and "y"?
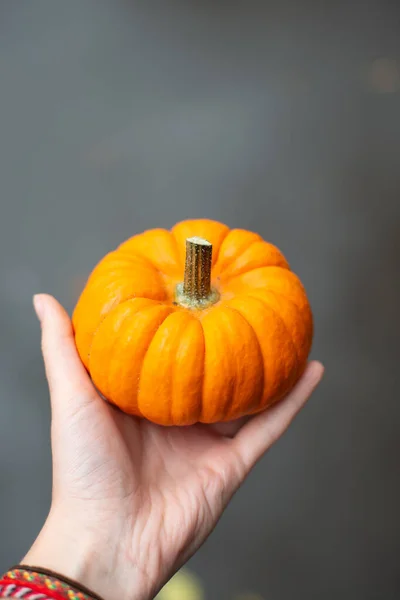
{"x": 254, "y": 439}
{"x": 68, "y": 380}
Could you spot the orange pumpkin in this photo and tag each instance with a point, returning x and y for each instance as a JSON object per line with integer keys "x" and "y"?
{"x": 200, "y": 323}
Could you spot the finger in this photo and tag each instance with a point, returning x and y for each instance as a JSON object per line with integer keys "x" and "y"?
{"x": 254, "y": 439}
{"x": 66, "y": 375}
{"x": 230, "y": 428}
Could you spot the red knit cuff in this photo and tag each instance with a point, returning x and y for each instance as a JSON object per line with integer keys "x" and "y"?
{"x": 40, "y": 584}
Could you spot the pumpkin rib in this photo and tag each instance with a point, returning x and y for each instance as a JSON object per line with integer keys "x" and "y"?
{"x": 200, "y": 416}
{"x": 204, "y": 407}
{"x": 178, "y": 249}
{"x": 232, "y": 260}
{"x": 112, "y": 346}
{"x": 158, "y": 319}
{"x": 143, "y": 361}
{"x": 181, "y": 251}
{"x": 173, "y": 368}
{"x": 103, "y": 289}
{"x": 229, "y": 404}
{"x": 107, "y": 266}
{"x": 103, "y": 318}
{"x": 130, "y": 297}
{"x": 283, "y": 296}
{"x": 217, "y": 254}
{"x": 226, "y": 276}
{"x": 164, "y": 270}
{"x": 299, "y": 309}
{"x": 235, "y": 256}
{"x": 106, "y": 276}
{"x": 152, "y": 266}
{"x": 230, "y": 280}
{"x": 229, "y": 395}
{"x": 264, "y": 301}
{"x": 237, "y": 312}
{"x": 137, "y": 256}
{"x": 273, "y": 366}
{"x": 198, "y": 227}
{"x": 158, "y": 371}
{"x": 176, "y": 374}
{"x": 256, "y": 335}
{"x": 145, "y": 353}
{"x": 252, "y": 286}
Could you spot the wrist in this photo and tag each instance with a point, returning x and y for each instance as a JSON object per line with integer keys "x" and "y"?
{"x": 23, "y": 581}
{"x": 71, "y": 551}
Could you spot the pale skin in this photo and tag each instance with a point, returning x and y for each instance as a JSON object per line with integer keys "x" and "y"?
{"x": 133, "y": 501}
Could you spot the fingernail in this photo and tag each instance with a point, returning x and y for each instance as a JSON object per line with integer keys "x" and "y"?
{"x": 38, "y": 306}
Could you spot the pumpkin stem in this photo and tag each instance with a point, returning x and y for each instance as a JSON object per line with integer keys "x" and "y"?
{"x": 196, "y": 291}
{"x": 197, "y": 282}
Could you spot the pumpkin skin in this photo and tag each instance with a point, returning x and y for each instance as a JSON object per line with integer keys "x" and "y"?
{"x": 174, "y": 365}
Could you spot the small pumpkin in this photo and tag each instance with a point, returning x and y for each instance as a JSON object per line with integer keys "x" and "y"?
{"x": 198, "y": 324}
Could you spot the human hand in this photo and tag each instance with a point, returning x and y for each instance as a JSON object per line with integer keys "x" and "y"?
{"x": 132, "y": 501}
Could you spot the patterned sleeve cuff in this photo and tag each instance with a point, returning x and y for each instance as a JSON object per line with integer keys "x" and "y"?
{"x": 35, "y": 583}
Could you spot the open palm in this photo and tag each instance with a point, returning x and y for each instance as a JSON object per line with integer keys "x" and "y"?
{"x": 136, "y": 498}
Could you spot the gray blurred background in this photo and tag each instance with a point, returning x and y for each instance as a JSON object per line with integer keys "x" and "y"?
{"x": 282, "y": 117}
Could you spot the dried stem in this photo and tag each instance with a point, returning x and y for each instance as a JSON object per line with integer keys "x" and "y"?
{"x": 196, "y": 291}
